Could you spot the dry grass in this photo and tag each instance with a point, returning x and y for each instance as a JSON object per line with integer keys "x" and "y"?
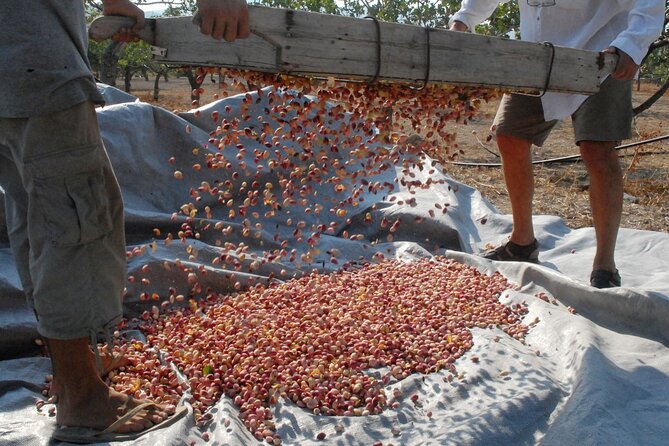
{"x": 560, "y": 189}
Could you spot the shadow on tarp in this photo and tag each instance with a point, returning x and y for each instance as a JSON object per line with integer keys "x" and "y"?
{"x": 18, "y": 327}
{"x": 479, "y": 406}
{"x": 612, "y": 406}
{"x": 4, "y": 238}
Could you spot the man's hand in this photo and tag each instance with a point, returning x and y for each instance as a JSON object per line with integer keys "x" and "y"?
{"x": 128, "y": 9}
{"x": 626, "y": 68}
{"x": 227, "y": 19}
{"x": 458, "y": 26}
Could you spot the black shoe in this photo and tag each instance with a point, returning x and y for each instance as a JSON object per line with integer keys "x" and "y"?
{"x": 513, "y": 252}
{"x": 601, "y": 278}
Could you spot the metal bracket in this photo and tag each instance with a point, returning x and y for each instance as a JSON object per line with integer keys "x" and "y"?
{"x": 158, "y": 51}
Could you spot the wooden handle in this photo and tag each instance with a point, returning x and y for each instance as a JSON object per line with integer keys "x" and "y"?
{"x": 104, "y": 28}
{"x": 608, "y": 62}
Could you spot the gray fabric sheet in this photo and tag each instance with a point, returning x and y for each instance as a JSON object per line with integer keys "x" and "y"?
{"x": 600, "y": 376}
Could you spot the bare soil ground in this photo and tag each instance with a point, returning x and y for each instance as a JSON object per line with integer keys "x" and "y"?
{"x": 561, "y": 188}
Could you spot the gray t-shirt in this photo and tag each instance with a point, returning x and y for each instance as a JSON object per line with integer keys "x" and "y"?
{"x": 44, "y": 66}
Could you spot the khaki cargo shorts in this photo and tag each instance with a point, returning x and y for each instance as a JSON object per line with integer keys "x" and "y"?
{"x": 65, "y": 220}
{"x": 605, "y": 116}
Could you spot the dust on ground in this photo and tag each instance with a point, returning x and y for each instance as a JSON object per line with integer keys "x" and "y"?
{"x": 561, "y": 189}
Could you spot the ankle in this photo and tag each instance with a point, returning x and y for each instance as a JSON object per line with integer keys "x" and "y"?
{"x": 604, "y": 266}
{"x": 79, "y": 395}
{"x": 522, "y": 241}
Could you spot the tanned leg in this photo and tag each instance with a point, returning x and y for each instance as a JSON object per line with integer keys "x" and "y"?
{"x": 110, "y": 361}
{"x": 606, "y": 198}
{"x": 519, "y": 178}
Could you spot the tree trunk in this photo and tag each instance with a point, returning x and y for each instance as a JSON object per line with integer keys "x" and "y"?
{"x": 127, "y": 76}
{"x": 195, "y": 84}
{"x": 653, "y": 99}
{"x": 156, "y": 85}
{"x": 109, "y": 66}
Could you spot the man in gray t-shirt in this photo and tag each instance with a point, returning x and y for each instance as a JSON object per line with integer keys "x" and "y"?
{"x": 63, "y": 205}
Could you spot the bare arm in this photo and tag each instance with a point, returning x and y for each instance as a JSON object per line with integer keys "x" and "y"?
{"x": 473, "y": 12}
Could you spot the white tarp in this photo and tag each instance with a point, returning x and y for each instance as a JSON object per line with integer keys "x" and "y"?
{"x": 600, "y": 376}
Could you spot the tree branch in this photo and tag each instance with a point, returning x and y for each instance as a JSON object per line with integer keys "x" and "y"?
{"x": 651, "y": 100}
{"x": 662, "y": 42}
{"x": 93, "y": 4}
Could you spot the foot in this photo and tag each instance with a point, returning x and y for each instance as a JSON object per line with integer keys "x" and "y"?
{"x": 85, "y": 401}
{"x": 601, "y": 278}
{"x": 105, "y": 406}
{"x": 513, "y": 252}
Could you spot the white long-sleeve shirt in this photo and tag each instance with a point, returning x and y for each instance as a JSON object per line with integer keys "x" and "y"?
{"x": 629, "y": 25}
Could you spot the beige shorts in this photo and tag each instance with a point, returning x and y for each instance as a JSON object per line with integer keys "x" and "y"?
{"x": 605, "y": 116}
{"x": 65, "y": 220}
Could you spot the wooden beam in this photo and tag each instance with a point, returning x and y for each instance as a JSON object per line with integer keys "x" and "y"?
{"x": 311, "y": 44}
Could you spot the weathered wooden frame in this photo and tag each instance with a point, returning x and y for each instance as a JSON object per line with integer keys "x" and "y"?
{"x": 311, "y": 44}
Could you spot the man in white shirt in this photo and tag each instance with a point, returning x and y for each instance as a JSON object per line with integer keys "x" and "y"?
{"x": 623, "y": 27}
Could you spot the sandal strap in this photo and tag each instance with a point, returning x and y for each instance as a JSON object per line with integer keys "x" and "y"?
{"x": 126, "y": 417}
{"x": 601, "y": 278}
{"x": 514, "y": 252}
{"x": 521, "y": 251}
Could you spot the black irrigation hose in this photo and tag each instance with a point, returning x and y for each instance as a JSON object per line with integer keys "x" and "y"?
{"x": 570, "y": 158}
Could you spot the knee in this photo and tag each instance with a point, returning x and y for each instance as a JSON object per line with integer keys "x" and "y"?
{"x": 600, "y": 156}
{"x": 512, "y": 146}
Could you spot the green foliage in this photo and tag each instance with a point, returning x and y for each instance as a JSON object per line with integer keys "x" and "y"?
{"x": 433, "y": 13}
{"x": 423, "y": 13}
{"x": 95, "y": 50}
{"x": 657, "y": 64}
{"x": 136, "y": 56}
{"x": 322, "y": 6}
{"x": 186, "y": 7}
{"x": 505, "y": 20}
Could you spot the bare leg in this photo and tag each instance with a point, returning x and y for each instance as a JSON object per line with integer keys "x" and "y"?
{"x": 110, "y": 361}
{"x": 606, "y": 198}
{"x": 519, "y": 178}
{"x": 83, "y": 398}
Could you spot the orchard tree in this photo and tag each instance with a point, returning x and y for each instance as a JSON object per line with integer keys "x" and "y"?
{"x": 135, "y": 59}
{"x": 657, "y": 64}
{"x": 109, "y": 59}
